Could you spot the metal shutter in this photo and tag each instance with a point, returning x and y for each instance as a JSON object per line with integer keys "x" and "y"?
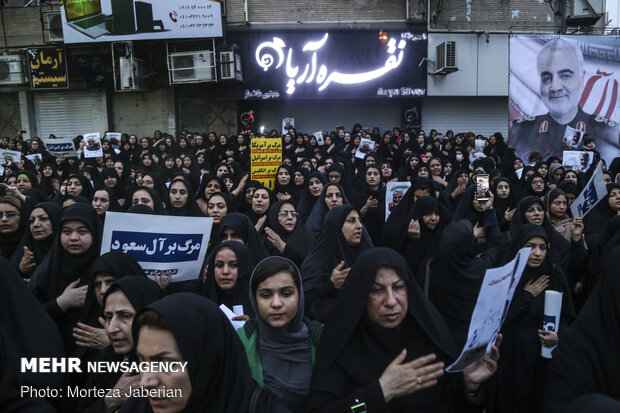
{"x": 68, "y": 114}
{"x": 314, "y": 115}
{"x": 481, "y": 115}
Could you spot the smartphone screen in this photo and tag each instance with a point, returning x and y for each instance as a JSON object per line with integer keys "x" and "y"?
{"x": 482, "y": 187}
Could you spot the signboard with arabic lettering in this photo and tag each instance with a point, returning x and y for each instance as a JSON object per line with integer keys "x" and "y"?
{"x": 177, "y": 245}
{"x": 48, "y": 68}
{"x": 332, "y": 64}
{"x": 89, "y": 21}
{"x": 265, "y": 158}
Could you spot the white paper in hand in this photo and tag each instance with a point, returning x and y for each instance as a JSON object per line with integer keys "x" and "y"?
{"x": 494, "y": 299}
{"x": 229, "y": 313}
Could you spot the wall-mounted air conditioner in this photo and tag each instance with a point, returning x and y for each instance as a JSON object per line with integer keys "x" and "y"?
{"x": 230, "y": 66}
{"x": 11, "y": 70}
{"x": 54, "y": 27}
{"x": 133, "y": 74}
{"x": 446, "y": 58}
{"x": 192, "y": 67}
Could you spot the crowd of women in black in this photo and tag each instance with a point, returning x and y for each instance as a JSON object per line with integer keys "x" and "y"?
{"x": 345, "y": 311}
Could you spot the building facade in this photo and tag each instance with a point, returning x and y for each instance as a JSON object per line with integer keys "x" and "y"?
{"x": 357, "y": 52}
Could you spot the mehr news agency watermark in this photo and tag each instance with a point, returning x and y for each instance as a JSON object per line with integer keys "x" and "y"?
{"x": 54, "y": 365}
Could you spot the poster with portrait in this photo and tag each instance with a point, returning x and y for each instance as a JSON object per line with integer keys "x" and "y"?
{"x": 177, "y": 245}
{"x": 366, "y": 146}
{"x": 578, "y": 161}
{"x": 114, "y": 138}
{"x": 287, "y": 124}
{"x": 563, "y": 84}
{"x": 92, "y": 145}
{"x": 573, "y": 138}
{"x": 10, "y": 157}
{"x": 35, "y": 157}
{"x": 394, "y": 192}
{"x": 319, "y": 137}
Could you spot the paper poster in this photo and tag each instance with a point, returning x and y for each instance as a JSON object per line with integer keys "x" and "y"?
{"x": 551, "y": 318}
{"x": 494, "y": 299}
{"x": 10, "y": 157}
{"x": 319, "y": 138}
{"x": 35, "y": 157}
{"x": 237, "y": 324}
{"x": 114, "y": 138}
{"x": 573, "y": 138}
{"x": 265, "y": 157}
{"x": 167, "y": 243}
{"x": 592, "y": 193}
{"x": 578, "y": 161}
{"x": 59, "y": 146}
{"x": 92, "y": 145}
{"x": 366, "y": 145}
{"x": 287, "y": 124}
{"x": 394, "y": 192}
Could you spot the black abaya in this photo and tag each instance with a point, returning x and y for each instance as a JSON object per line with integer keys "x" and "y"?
{"x": 355, "y": 351}
{"x": 521, "y": 370}
{"x": 218, "y": 368}
{"x": 329, "y": 249}
{"x": 456, "y": 276}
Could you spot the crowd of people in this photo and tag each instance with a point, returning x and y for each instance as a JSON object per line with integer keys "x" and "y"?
{"x": 344, "y": 310}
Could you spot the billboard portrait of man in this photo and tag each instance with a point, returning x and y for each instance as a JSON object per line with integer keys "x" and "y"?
{"x": 548, "y": 95}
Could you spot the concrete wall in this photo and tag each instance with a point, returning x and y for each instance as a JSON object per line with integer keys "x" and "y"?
{"x": 144, "y": 112}
{"x": 10, "y": 118}
{"x": 482, "y": 62}
{"x": 346, "y": 11}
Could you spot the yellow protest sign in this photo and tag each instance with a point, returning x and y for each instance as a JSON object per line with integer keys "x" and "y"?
{"x": 265, "y": 157}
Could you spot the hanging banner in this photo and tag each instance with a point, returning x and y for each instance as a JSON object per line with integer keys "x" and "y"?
{"x": 563, "y": 88}
{"x": 85, "y": 21}
{"x": 174, "y": 244}
{"x": 265, "y": 157}
{"x": 48, "y": 68}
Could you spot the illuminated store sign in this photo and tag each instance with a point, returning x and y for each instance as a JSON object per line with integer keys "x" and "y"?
{"x": 335, "y": 64}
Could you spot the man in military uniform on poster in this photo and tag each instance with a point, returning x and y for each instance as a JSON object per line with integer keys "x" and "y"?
{"x": 560, "y": 67}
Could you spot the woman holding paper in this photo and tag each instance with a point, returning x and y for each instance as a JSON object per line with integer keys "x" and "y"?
{"x": 228, "y": 275}
{"x": 280, "y": 343}
{"x": 521, "y": 371}
{"x": 587, "y": 360}
{"x": 386, "y": 346}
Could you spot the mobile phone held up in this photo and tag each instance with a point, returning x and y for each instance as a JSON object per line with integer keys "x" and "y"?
{"x": 482, "y": 187}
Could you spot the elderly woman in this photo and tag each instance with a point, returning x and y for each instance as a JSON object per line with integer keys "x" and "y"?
{"x": 189, "y": 328}
{"x": 386, "y": 346}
